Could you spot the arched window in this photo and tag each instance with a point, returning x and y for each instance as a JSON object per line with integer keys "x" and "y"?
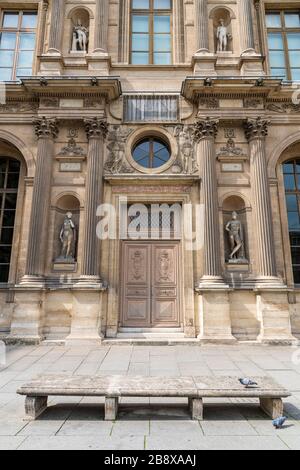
{"x": 151, "y": 32}
{"x": 151, "y": 153}
{"x": 291, "y": 171}
{"x": 9, "y": 182}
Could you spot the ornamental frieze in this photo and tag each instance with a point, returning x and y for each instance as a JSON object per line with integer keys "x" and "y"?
{"x": 283, "y": 108}
{"x": 19, "y": 107}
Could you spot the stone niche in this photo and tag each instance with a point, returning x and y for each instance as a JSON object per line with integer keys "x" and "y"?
{"x": 78, "y": 32}
{"x": 65, "y": 204}
{"x": 217, "y": 16}
{"x": 230, "y": 205}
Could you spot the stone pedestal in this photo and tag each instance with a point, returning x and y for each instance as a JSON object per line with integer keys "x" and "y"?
{"x": 204, "y": 64}
{"x": 28, "y": 317}
{"x": 86, "y": 318}
{"x": 274, "y": 317}
{"x": 214, "y": 318}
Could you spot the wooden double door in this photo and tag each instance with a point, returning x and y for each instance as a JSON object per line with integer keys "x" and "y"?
{"x": 150, "y": 284}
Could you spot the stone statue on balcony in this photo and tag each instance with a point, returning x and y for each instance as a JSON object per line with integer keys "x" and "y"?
{"x": 67, "y": 237}
{"x": 236, "y": 239}
{"x": 80, "y": 37}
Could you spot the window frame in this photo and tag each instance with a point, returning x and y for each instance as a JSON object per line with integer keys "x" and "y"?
{"x": 292, "y": 192}
{"x": 19, "y": 30}
{"x": 151, "y": 12}
{"x": 284, "y": 32}
{"x": 4, "y": 191}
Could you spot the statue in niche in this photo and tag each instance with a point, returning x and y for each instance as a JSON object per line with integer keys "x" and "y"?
{"x": 80, "y": 37}
{"x": 236, "y": 239}
{"x": 68, "y": 238}
{"x": 222, "y": 36}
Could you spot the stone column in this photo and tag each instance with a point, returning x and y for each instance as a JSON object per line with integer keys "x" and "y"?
{"x": 205, "y": 132}
{"x": 43, "y": 10}
{"x": 96, "y": 130}
{"x": 46, "y": 131}
{"x": 256, "y": 131}
{"x": 56, "y": 25}
{"x": 101, "y": 25}
{"x": 246, "y": 22}
{"x": 201, "y": 24}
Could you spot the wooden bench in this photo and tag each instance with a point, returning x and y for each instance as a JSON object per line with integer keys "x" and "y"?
{"x": 113, "y": 388}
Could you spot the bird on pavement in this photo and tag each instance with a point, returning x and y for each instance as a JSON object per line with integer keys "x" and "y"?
{"x": 279, "y": 422}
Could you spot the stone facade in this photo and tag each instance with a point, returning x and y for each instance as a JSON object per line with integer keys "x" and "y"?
{"x": 233, "y": 128}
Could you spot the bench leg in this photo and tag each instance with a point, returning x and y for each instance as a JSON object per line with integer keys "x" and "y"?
{"x": 111, "y": 408}
{"x": 34, "y": 406}
{"x": 196, "y": 408}
{"x": 273, "y": 407}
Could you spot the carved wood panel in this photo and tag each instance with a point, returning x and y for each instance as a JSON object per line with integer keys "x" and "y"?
{"x": 150, "y": 287}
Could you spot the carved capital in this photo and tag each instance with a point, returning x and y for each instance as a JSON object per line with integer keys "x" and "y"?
{"x": 45, "y": 128}
{"x": 205, "y": 129}
{"x": 256, "y": 128}
{"x": 95, "y": 128}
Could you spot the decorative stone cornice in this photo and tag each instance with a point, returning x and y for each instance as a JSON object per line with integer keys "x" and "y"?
{"x": 45, "y": 128}
{"x": 95, "y": 128}
{"x": 256, "y": 128}
{"x": 205, "y": 129}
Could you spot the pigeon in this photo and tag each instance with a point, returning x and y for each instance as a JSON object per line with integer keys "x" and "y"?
{"x": 247, "y": 382}
{"x": 279, "y": 422}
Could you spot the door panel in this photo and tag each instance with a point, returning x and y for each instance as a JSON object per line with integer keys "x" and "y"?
{"x": 136, "y": 284}
{"x": 150, "y": 287}
{"x": 165, "y": 285}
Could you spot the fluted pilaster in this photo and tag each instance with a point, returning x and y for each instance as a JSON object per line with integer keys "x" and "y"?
{"x": 46, "y": 131}
{"x": 205, "y": 132}
{"x": 202, "y": 25}
{"x": 256, "y": 131}
{"x": 96, "y": 130}
{"x": 56, "y": 25}
{"x": 101, "y": 25}
{"x": 246, "y": 25}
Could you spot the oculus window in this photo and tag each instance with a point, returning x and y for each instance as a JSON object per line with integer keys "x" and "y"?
{"x": 9, "y": 182}
{"x": 17, "y": 44}
{"x": 151, "y": 153}
{"x": 291, "y": 174}
{"x": 284, "y": 43}
{"x": 151, "y": 32}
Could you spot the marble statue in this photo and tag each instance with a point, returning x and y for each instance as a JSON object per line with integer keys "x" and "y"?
{"x": 236, "y": 239}
{"x": 80, "y": 37}
{"x": 67, "y": 237}
{"x": 222, "y": 36}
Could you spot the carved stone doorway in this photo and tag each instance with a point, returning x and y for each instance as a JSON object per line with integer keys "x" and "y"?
{"x": 150, "y": 290}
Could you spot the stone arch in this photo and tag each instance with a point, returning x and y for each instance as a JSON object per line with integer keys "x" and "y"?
{"x": 232, "y": 194}
{"x": 60, "y": 196}
{"x": 222, "y": 7}
{"x": 80, "y": 8}
{"x": 11, "y": 139}
{"x": 278, "y": 153}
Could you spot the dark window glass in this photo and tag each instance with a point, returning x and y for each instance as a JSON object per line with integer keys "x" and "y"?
{"x": 151, "y": 153}
{"x": 292, "y": 189}
{"x": 284, "y": 43}
{"x": 151, "y": 38}
{"x": 9, "y": 181}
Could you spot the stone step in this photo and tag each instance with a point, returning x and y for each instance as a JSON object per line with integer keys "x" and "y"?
{"x": 150, "y": 330}
{"x": 150, "y": 335}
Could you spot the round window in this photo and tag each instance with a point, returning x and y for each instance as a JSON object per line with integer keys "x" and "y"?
{"x": 151, "y": 153}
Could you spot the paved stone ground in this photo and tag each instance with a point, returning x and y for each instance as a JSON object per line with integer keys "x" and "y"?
{"x": 77, "y": 423}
